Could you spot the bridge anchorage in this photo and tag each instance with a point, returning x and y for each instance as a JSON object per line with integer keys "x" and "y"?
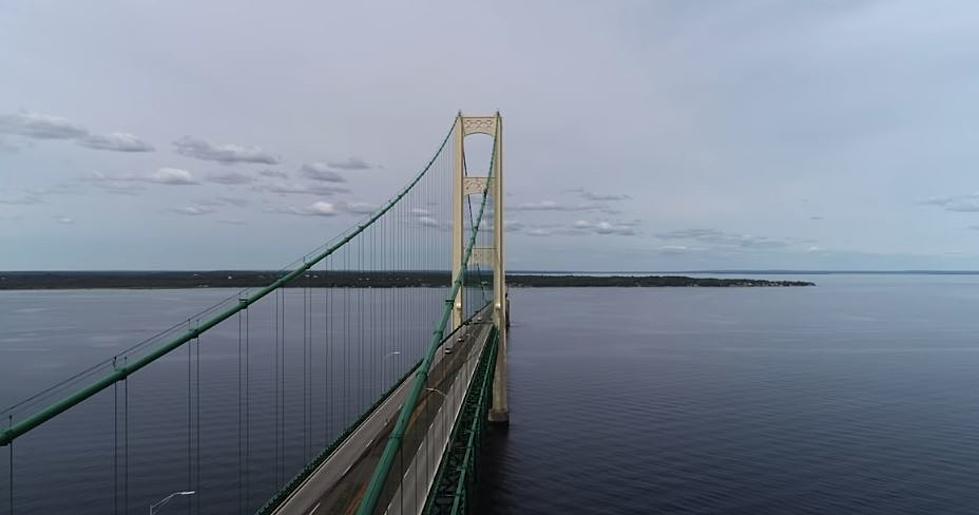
{"x": 360, "y": 379}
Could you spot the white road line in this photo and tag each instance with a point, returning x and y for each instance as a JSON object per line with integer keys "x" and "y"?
{"x": 312, "y": 511}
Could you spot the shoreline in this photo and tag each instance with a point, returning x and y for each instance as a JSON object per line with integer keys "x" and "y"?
{"x": 350, "y": 279}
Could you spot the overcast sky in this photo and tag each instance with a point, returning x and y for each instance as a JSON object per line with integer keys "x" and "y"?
{"x": 647, "y": 135}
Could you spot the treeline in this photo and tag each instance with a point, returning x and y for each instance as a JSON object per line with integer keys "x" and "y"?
{"x": 346, "y": 279}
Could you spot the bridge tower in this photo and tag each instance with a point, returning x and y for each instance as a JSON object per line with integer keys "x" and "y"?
{"x": 493, "y": 256}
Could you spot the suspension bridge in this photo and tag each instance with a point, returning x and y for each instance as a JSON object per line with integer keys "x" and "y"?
{"x": 359, "y": 380}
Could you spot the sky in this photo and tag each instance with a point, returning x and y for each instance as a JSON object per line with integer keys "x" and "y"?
{"x": 640, "y": 135}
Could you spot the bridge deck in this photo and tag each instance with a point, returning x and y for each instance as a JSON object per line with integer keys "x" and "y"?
{"x": 338, "y": 484}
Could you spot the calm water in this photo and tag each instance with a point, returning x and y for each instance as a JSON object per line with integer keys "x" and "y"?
{"x": 860, "y": 395}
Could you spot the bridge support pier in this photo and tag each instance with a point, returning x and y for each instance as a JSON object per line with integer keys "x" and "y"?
{"x": 494, "y": 256}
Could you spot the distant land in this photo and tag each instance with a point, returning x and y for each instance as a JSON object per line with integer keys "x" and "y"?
{"x": 45, "y": 280}
{"x": 751, "y": 271}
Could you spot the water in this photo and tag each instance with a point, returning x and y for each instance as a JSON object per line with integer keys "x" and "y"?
{"x": 859, "y": 395}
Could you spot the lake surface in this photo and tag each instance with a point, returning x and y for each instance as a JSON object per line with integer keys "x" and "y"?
{"x": 859, "y": 395}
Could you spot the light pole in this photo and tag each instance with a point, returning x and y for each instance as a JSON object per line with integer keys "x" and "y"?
{"x": 384, "y": 362}
{"x": 166, "y": 499}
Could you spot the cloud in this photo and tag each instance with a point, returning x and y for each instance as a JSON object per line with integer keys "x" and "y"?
{"x": 600, "y": 197}
{"x": 232, "y": 221}
{"x": 165, "y": 176}
{"x": 724, "y": 239}
{"x": 362, "y": 208}
{"x": 172, "y": 177}
{"x": 418, "y": 211}
{"x": 604, "y": 196}
{"x": 673, "y": 249}
{"x": 225, "y": 201}
{"x": 318, "y": 208}
{"x": 234, "y": 201}
{"x": 427, "y": 221}
{"x": 64, "y": 220}
{"x": 40, "y": 126}
{"x": 47, "y": 127}
{"x": 231, "y": 178}
{"x": 224, "y": 153}
{"x": 292, "y": 188}
{"x": 193, "y": 210}
{"x": 114, "y": 184}
{"x": 968, "y": 203}
{"x": 20, "y": 200}
{"x": 321, "y": 172}
{"x": 273, "y": 173}
{"x": 550, "y": 205}
{"x": 117, "y": 141}
{"x": 11, "y": 146}
{"x": 605, "y": 228}
{"x": 353, "y": 163}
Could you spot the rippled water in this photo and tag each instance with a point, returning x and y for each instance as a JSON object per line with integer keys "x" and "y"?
{"x": 860, "y": 395}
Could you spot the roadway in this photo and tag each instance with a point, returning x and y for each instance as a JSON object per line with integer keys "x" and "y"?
{"x": 338, "y": 484}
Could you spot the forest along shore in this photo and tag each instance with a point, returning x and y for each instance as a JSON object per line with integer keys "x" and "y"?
{"x": 344, "y": 279}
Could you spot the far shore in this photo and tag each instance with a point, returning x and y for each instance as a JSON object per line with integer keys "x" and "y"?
{"x": 56, "y": 280}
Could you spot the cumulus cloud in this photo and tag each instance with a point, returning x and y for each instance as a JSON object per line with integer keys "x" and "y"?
{"x": 223, "y": 153}
{"x": 353, "y": 163}
{"x": 117, "y": 141}
{"x": 40, "y": 126}
{"x": 724, "y": 239}
{"x": 165, "y": 176}
{"x": 172, "y": 177}
{"x": 604, "y": 227}
{"x": 321, "y": 172}
{"x": 231, "y": 178}
{"x": 48, "y": 127}
{"x": 318, "y": 208}
{"x": 193, "y": 210}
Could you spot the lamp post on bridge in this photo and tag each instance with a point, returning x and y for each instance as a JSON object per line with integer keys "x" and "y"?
{"x": 384, "y": 361}
{"x": 166, "y": 499}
